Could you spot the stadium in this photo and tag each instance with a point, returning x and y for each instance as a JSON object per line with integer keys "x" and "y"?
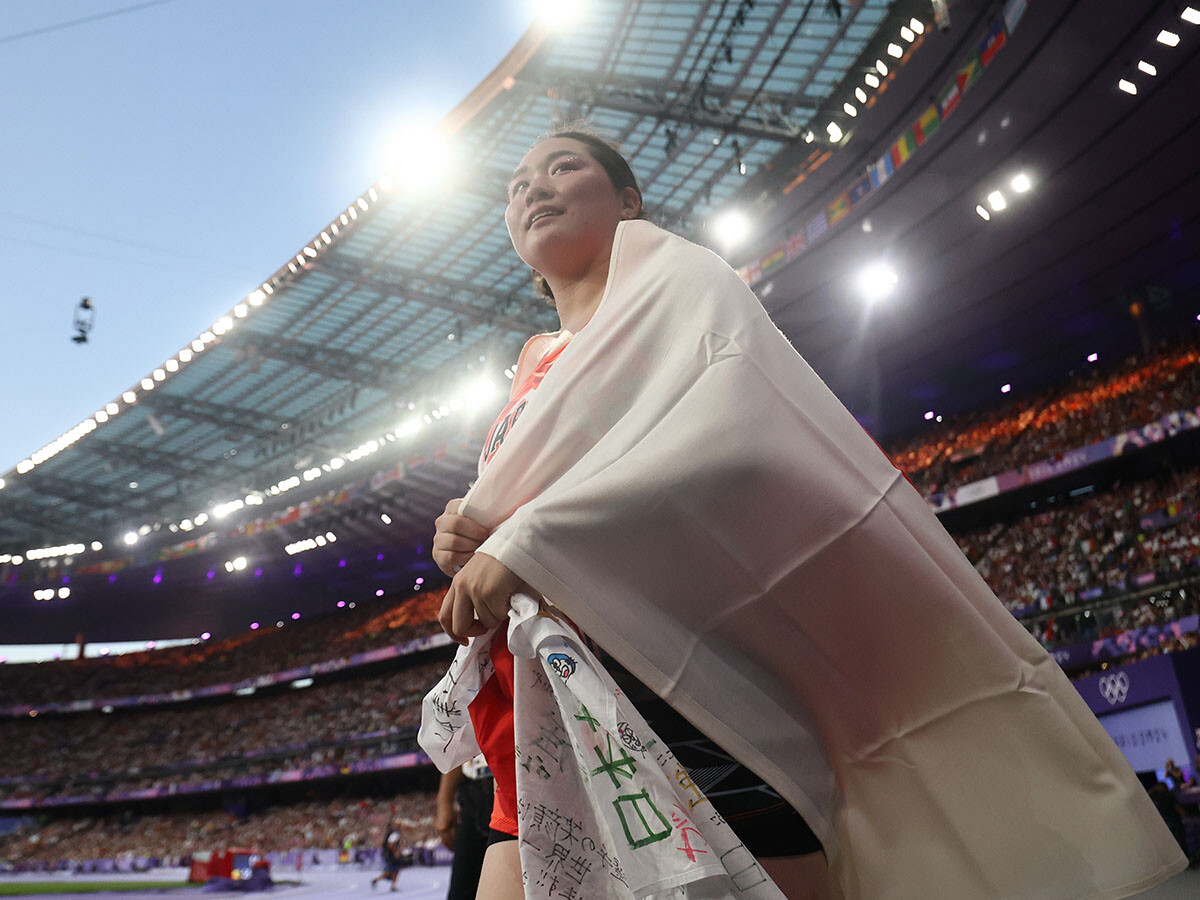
{"x": 975, "y": 220}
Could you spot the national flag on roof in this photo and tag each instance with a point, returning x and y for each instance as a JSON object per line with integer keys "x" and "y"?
{"x": 838, "y": 209}
{"x": 882, "y": 170}
{"x": 773, "y": 261}
{"x": 927, "y": 124}
{"x": 859, "y": 191}
{"x": 992, "y": 42}
{"x": 817, "y": 227}
{"x": 796, "y": 244}
{"x": 1013, "y": 10}
{"x": 951, "y": 95}
{"x": 903, "y": 148}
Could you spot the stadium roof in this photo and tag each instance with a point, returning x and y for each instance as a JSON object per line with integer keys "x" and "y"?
{"x": 371, "y": 345}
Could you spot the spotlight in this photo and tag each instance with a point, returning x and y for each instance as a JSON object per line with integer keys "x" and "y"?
{"x": 929, "y": 416}
{"x": 895, "y": 50}
{"x": 731, "y": 228}
{"x": 916, "y": 25}
{"x": 871, "y": 79}
{"x": 385, "y": 518}
{"x": 1170, "y": 38}
{"x": 851, "y": 109}
{"x": 1005, "y": 388}
{"x": 907, "y": 34}
{"x": 1145, "y": 67}
{"x": 834, "y": 131}
{"x": 1021, "y": 183}
{"x": 1092, "y": 357}
{"x": 881, "y": 67}
{"x": 860, "y": 94}
{"x": 1191, "y": 15}
{"x": 996, "y": 200}
{"x": 131, "y": 538}
{"x": 877, "y": 281}
{"x": 1127, "y": 86}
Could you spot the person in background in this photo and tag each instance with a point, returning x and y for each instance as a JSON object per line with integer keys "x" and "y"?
{"x": 465, "y": 829}
{"x": 391, "y": 858}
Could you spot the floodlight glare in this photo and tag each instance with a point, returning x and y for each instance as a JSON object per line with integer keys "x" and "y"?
{"x": 1170, "y": 38}
{"x": 860, "y": 94}
{"x": 731, "y": 228}
{"x": 1127, "y": 86}
{"x": 983, "y": 213}
{"x": 929, "y": 415}
{"x": 1145, "y": 67}
{"x": 996, "y": 201}
{"x": 916, "y": 25}
{"x": 907, "y": 33}
{"x": 871, "y": 79}
{"x": 1191, "y": 15}
{"x": 131, "y": 538}
{"x": 851, "y": 109}
{"x": 834, "y": 131}
{"x": 1021, "y": 183}
{"x": 557, "y": 15}
{"x": 895, "y": 50}
{"x": 1005, "y": 388}
{"x": 881, "y": 67}
{"x": 419, "y": 158}
{"x": 877, "y": 281}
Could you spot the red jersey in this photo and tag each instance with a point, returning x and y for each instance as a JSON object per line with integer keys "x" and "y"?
{"x": 492, "y": 709}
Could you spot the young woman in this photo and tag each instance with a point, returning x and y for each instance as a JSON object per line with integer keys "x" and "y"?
{"x": 714, "y": 518}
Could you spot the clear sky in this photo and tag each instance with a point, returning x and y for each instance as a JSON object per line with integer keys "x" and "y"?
{"x": 164, "y": 161}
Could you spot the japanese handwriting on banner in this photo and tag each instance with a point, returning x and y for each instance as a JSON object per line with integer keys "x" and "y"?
{"x": 625, "y": 765}
{"x": 642, "y": 830}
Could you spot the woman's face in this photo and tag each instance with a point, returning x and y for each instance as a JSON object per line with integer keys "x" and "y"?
{"x": 563, "y": 209}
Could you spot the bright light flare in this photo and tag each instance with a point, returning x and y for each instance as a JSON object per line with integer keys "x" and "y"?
{"x": 1170, "y": 38}
{"x": 877, "y": 282}
{"x": 996, "y": 201}
{"x": 872, "y": 80}
{"x": 1021, "y": 182}
{"x": 419, "y": 159}
{"x": 1147, "y": 68}
{"x": 731, "y": 228}
{"x": 1127, "y": 86}
{"x": 834, "y": 131}
{"x": 557, "y": 15}
{"x": 895, "y": 50}
{"x": 131, "y": 538}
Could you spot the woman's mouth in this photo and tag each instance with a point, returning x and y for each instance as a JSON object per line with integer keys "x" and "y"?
{"x": 539, "y": 215}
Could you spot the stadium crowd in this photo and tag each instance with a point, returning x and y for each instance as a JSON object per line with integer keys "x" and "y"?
{"x": 1089, "y": 406}
{"x": 313, "y": 825}
{"x": 1102, "y": 540}
{"x": 245, "y": 655}
{"x": 126, "y": 750}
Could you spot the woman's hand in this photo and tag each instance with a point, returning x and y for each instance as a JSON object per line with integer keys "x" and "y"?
{"x": 478, "y": 598}
{"x": 456, "y": 538}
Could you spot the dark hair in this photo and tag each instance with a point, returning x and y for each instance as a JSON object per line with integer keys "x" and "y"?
{"x": 610, "y": 159}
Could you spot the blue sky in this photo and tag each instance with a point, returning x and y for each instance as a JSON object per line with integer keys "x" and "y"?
{"x": 165, "y": 161}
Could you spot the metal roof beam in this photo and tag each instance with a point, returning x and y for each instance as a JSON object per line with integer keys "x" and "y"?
{"x": 173, "y": 464}
{"x": 81, "y": 494}
{"x": 764, "y": 118}
{"x": 234, "y": 418}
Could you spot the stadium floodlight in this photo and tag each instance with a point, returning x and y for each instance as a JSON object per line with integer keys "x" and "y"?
{"x": 419, "y": 159}
{"x": 1127, "y": 86}
{"x": 1147, "y": 68}
{"x": 100, "y": 416}
{"x": 557, "y": 15}
{"x": 1005, "y": 388}
{"x": 860, "y": 94}
{"x": 112, "y": 409}
{"x": 996, "y": 201}
{"x": 159, "y": 375}
{"x": 1092, "y": 357}
{"x": 872, "y": 80}
{"x": 131, "y": 538}
{"x": 1191, "y": 15}
{"x": 172, "y": 364}
{"x": 850, "y": 108}
{"x": 258, "y": 297}
{"x": 385, "y": 518}
{"x": 2, "y": 484}
{"x": 907, "y": 33}
{"x": 895, "y": 50}
{"x": 25, "y": 465}
{"x": 929, "y": 415}
{"x": 205, "y": 636}
{"x": 834, "y": 131}
{"x": 201, "y": 519}
{"x": 877, "y": 282}
{"x": 97, "y": 546}
{"x": 916, "y": 25}
{"x": 731, "y": 228}
{"x": 1170, "y": 38}
{"x": 881, "y": 67}
{"x": 241, "y": 310}
{"x": 1021, "y": 182}
{"x": 64, "y": 593}
{"x": 239, "y": 563}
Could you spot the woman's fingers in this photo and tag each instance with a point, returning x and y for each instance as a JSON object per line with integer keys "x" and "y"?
{"x": 448, "y": 540}
{"x": 462, "y": 617}
{"x": 454, "y": 524}
{"x": 451, "y": 563}
{"x": 446, "y": 613}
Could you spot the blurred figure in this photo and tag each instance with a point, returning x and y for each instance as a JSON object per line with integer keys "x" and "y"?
{"x": 392, "y": 861}
{"x": 465, "y": 830}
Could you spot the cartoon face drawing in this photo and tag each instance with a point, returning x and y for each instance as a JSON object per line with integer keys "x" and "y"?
{"x": 562, "y": 664}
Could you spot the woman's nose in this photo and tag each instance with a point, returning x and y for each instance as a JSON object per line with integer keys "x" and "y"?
{"x": 539, "y": 189}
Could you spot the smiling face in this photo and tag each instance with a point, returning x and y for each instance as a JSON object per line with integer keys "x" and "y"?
{"x": 563, "y": 209}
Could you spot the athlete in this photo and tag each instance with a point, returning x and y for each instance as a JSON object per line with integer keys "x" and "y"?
{"x": 566, "y": 199}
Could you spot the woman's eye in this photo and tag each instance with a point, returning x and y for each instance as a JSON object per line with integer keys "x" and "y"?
{"x": 515, "y": 189}
{"x": 567, "y": 166}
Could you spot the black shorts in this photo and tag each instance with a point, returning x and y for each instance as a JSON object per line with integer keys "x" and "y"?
{"x": 766, "y": 823}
